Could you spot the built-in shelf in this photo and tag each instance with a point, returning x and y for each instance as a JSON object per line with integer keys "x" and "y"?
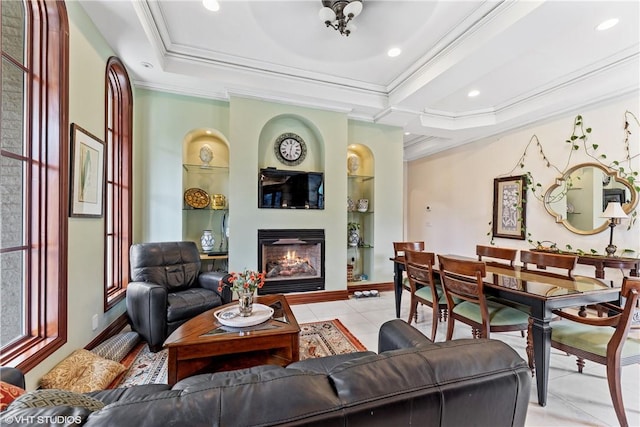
{"x": 361, "y": 185}
{"x": 211, "y": 178}
{"x": 204, "y": 169}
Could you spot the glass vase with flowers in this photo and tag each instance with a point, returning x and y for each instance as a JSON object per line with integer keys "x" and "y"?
{"x": 244, "y": 284}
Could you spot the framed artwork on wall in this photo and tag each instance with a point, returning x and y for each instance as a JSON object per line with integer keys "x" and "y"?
{"x": 509, "y": 207}
{"x": 87, "y": 174}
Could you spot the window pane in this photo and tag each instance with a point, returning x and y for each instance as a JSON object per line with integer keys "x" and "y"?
{"x": 12, "y": 296}
{"x": 11, "y": 203}
{"x": 109, "y": 260}
{"x": 12, "y": 108}
{"x": 13, "y": 29}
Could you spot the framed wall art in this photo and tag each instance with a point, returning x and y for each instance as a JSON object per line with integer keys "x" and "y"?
{"x": 87, "y": 174}
{"x": 509, "y": 207}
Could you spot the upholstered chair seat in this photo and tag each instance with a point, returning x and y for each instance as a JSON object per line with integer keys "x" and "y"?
{"x": 499, "y": 314}
{"x": 425, "y": 293}
{"x": 190, "y": 302}
{"x": 592, "y": 339}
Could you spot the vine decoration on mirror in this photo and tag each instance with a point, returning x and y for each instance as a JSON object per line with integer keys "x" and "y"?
{"x": 579, "y": 139}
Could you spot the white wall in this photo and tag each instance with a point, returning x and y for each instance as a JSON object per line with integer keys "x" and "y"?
{"x": 458, "y": 185}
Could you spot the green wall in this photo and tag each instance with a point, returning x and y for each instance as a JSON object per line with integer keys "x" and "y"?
{"x": 162, "y": 120}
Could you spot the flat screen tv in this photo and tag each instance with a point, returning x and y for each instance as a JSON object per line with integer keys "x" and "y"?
{"x": 287, "y": 189}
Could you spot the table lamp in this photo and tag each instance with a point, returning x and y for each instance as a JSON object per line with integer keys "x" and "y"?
{"x": 615, "y": 213}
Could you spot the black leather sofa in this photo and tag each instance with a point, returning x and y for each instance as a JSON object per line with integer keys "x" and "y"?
{"x": 412, "y": 381}
{"x": 168, "y": 288}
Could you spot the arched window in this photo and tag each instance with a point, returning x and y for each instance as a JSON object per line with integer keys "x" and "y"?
{"x": 34, "y": 176}
{"x": 118, "y": 214}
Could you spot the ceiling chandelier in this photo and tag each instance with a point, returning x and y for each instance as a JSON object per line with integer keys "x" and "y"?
{"x": 338, "y": 14}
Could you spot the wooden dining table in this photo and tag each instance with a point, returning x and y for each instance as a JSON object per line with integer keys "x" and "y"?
{"x": 542, "y": 292}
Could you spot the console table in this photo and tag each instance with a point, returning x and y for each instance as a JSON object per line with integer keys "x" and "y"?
{"x": 600, "y": 262}
{"x": 213, "y": 257}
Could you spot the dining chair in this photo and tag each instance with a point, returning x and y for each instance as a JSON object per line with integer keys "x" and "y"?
{"x": 425, "y": 288}
{"x": 542, "y": 260}
{"x": 399, "y": 249}
{"x": 494, "y": 252}
{"x": 603, "y": 340}
{"x": 463, "y": 283}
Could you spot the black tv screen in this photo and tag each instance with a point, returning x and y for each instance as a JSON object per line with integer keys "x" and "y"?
{"x": 285, "y": 189}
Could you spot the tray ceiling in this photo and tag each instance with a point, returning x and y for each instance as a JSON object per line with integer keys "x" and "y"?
{"x": 530, "y": 61}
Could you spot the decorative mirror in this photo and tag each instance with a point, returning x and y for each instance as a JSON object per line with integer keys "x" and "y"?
{"x": 579, "y": 197}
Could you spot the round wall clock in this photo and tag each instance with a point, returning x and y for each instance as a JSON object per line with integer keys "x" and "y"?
{"x": 290, "y": 149}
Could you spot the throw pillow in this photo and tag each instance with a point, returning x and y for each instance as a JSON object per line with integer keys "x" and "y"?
{"x": 44, "y": 398}
{"x": 118, "y": 346}
{"x": 8, "y": 393}
{"x": 82, "y": 372}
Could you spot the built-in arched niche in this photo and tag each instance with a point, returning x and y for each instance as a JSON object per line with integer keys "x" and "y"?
{"x": 360, "y": 210}
{"x": 205, "y": 167}
{"x": 359, "y": 160}
{"x": 299, "y": 126}
{"x": 198, "y": 142}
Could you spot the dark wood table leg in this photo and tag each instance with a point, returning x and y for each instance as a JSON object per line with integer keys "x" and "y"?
{"x": 172, "y": 367}
{"x": 397, "y": 281}
{"x": 542, "y": 352}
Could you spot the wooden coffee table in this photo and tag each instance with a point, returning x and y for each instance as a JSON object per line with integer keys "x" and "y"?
{"x": 203, "y": 345}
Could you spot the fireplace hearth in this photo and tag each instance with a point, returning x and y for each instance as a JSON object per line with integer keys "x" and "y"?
{"x": 293, "y": 260}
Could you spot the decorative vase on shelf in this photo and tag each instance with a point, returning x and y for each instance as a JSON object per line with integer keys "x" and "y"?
{"x": 363, "y": 205}
{"x": 351, "y": 205}
{"x": 206, "y": 155}
{"x": 245, "y": 303}
{"x": 207, "y": 241}
{"x": 353, "y": 238}
{"x": 353, "y": 163}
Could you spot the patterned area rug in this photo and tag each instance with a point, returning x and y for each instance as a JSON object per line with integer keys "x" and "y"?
{"x": 317, "y": 339}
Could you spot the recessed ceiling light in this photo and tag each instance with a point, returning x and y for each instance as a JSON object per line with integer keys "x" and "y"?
{"x": 407, "y": 133}
{"x": 211, "y": 5}
{"x": 394, "y": 51}
{"x": 473, "y": 93}
{"x": 609, "y": 23}
{"x": 146, "y": 64}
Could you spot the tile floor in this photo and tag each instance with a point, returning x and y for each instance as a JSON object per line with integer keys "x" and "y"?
{"x": 573, "y": 399}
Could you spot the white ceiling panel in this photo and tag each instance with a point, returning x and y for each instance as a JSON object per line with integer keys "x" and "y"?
{"x": 530, "y": 60}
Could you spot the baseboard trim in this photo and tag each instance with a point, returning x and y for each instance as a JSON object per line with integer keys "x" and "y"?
{"x": 111, "y": 330}
{"x": 319, "y": 296}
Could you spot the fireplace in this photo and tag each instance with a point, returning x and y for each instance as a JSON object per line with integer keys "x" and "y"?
{"x": 293, "y": 260}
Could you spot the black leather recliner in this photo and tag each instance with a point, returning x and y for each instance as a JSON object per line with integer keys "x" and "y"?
{"x": 168, "y": 288}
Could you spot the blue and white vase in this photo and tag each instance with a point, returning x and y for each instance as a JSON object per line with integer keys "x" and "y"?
{"x": 207, "y": 241}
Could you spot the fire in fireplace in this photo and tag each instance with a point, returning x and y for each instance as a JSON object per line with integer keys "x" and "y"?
{"x": 293, "y": 260}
